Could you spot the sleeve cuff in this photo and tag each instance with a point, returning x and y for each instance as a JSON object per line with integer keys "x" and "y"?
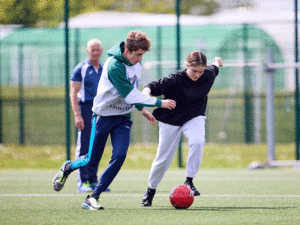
{"x": 138, "y": 107}
{"x": 158, "y": 103}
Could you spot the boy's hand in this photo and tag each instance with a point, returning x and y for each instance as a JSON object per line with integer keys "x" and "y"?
{"x": 148, "y": 116}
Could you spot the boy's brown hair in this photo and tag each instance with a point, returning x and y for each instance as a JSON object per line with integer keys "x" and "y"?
{"x": 137, "y": 40}
{"x": 196, "y": 58}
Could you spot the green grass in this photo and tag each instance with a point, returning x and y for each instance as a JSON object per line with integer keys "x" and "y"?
{"x": 140, "y": 156}
{"x": 31, "y": 92}
{"x": 228, "y": 197}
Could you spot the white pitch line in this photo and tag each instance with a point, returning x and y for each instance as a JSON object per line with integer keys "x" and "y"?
{"x": 140, "y": 195}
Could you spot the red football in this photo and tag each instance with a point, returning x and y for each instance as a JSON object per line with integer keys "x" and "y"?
{"x": 181, "y": 197}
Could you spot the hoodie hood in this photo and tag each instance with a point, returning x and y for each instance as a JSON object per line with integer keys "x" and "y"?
{"x": 117, "y": 52}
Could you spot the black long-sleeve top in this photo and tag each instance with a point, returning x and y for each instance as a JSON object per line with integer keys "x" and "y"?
{"x": 190, "y": 96}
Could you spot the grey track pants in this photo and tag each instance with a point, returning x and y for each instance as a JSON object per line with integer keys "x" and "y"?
{"x": 169, "y": 137}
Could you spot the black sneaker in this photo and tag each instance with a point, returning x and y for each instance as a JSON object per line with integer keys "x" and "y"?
{"x": 148, "y": 197}
{"x": 192, "y": 187}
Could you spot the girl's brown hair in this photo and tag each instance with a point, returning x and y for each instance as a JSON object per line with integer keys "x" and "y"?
{"x": 137, "y": 40}
{"x": 196, "y": 58}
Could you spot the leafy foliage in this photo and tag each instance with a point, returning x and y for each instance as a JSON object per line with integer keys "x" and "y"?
{"x": 19, "y": 12}
{"x": 48, "y": 13}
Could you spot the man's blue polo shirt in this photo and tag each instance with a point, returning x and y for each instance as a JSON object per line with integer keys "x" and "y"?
{"x": 89, "y": 77}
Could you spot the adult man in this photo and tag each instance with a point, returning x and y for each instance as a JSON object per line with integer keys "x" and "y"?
{"x": 116, "y": 98}
{"x": 84, "y": 81}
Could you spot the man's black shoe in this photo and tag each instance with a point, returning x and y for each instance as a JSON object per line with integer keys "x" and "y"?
{"x": 192, "y": 187}
{"x": 148, "y": 197}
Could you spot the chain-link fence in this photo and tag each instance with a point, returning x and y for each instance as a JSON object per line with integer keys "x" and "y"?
{"x": 34, "y": 59}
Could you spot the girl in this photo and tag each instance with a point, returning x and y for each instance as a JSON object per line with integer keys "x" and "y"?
{"x": 189, "y": 89}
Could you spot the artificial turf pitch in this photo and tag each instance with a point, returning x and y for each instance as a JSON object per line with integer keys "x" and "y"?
{"x": 270, "y": 196}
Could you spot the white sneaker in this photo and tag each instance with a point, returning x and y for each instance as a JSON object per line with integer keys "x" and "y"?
{"x": 91, "y": 204}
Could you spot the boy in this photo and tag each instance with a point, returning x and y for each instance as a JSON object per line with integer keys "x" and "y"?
{"x": 116, "y": 98}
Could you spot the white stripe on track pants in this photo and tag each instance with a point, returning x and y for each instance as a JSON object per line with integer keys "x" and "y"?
{"x": 169, "y": 137}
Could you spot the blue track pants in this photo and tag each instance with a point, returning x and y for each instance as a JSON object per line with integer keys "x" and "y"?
{"x": 118, "y": 127}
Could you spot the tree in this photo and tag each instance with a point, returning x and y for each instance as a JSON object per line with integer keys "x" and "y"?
{"x": 49, "y": 13}
{"x": 20, "y": 12}
{"x": 199, "y": 7}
